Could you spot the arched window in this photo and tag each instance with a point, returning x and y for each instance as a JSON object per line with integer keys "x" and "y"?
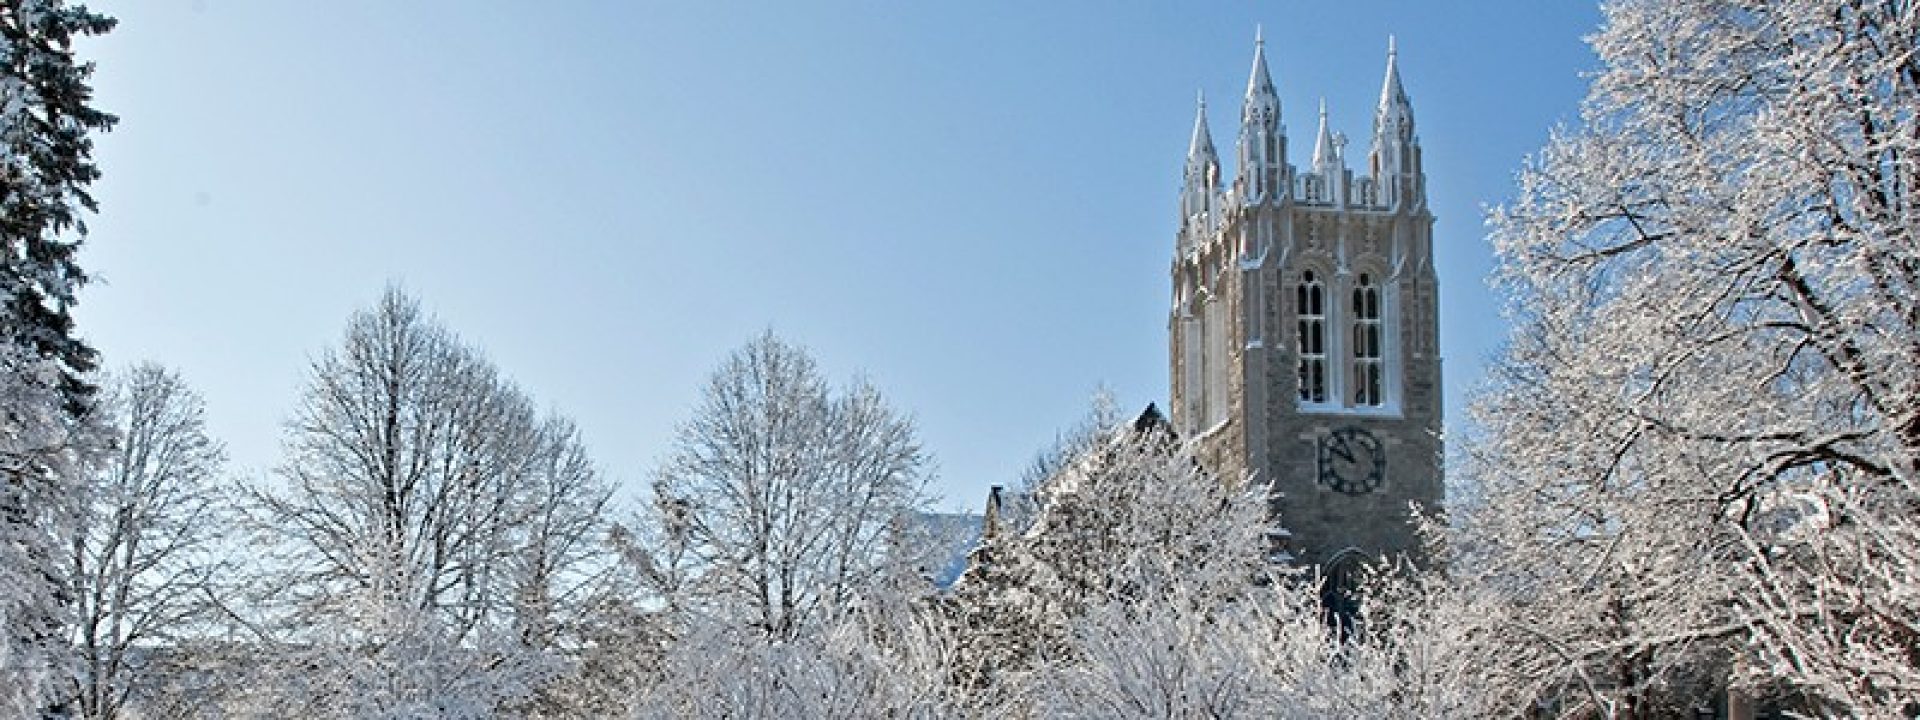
{"x": 1311, "y": 340}
{"x": 1340, "y": 594}
{"x": 1366, "y": 342}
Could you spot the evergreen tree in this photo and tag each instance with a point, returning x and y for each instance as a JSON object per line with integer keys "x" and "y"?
{"x": 46, "y": 163}
{"x": 45, "y": 167}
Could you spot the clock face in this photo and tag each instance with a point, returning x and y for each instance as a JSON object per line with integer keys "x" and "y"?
{"x": 1352, "y": 461}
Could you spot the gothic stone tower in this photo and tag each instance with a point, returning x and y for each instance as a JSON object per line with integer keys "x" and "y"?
{"x": 1304, "y": 333}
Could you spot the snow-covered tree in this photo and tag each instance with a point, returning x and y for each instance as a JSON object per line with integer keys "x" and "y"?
{"x": 1129, "y": 525}
{"x": 1269, "y": 653}
{"x": 615, "y": 655}
{"x": 557, "y": 548}
{"x": 1144, "y": 587}
{"x": 1103, "y": 415}
{"x": 1425, "y": 644}
{"x": 142, "y": 563}
{"x": 780, "y": 496}
{"x": 46, "y": 165}
{"x": 434, "y": 530}
{"x": 42, "y": 450}
{"x": 1702, "y": 456}
{"x": 875, "y": 661}
{"x": 568, "y": 599}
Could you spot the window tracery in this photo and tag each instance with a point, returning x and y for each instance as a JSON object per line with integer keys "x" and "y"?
{"x": 1311, "y": 338}
{"x": 1367, "y": 370}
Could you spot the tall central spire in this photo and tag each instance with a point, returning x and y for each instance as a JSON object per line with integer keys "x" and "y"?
{"x": 1260, "y": 83}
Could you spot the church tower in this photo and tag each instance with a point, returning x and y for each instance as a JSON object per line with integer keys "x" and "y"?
{"x": 1304, "y": 329}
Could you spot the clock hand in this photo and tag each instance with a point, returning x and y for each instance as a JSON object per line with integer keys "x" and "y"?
{"x": 1341, "y": 451}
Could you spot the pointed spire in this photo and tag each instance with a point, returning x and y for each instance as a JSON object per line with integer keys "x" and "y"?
{"x": 1395, "y": 159}
{"x": 1202, "y": 146}
{"x": 1393, "y": 97}
{"x": 1262, "y": 144}
{"x": 1324, "y": 151}
{"x": 1198, "y": 194}
{"x": 1260, "y": 82}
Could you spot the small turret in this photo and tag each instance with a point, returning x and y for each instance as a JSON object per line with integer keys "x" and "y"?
{"x": 1329, "y": 179}
{"x": 1325, "y": 154}
{"x": 1199, "y": 195}
{"x": 1395, "y": 158}
{"x": 1263, "y": 143}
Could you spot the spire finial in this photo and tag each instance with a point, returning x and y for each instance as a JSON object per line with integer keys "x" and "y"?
{"x": 1203, "y": 99}
{"x": 1390, "y": 47}
{"x": 1259, "y": 35}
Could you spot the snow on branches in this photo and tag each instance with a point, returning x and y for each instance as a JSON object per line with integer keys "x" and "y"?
{"x": 1706, "y": 433}
{"x": 42, "y": 446}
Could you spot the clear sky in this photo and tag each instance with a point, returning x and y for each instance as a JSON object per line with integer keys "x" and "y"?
{"x": 972, "y": 204}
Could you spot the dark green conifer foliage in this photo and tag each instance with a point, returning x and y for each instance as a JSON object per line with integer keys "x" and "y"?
{"x": 47, "y": 120}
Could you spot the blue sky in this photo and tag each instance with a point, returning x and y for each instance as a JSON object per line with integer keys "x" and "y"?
{"x": 970, "y": 204}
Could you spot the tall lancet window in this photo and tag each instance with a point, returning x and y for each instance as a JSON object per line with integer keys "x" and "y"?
{"x": 1366, "y": 342}
{"x": 1311, "y": 309}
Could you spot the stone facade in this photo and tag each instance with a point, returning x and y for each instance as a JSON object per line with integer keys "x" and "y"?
{"x": 1304, "y": 330}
